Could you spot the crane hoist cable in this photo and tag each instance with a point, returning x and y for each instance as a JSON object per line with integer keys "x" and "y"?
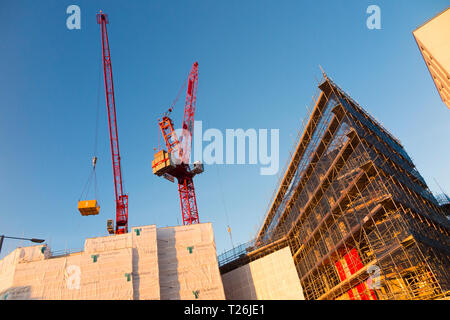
{"x": 224, "y": 206}
{"x": 94, "y": 157}
{"x": 93, "y": 175}
{"x": 172, "y": 107}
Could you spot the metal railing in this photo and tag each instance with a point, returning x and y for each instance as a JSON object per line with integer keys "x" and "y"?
{"x": 64, "y": 252}
{"x": 235, "y": 253}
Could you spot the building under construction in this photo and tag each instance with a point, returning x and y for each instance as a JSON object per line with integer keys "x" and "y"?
{"x": 356, "y": 214}
{"x": 148, "y": 263}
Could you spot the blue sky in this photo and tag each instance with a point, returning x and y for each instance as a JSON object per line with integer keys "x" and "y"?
{"x": 258, "y": 65}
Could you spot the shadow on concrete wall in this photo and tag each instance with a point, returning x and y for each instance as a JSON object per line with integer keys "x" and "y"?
{"x": 169, "y": 281}
{"x": 238, "y": 284}
{"x": 136, "y": 278}
{"x": 16, "y": 293}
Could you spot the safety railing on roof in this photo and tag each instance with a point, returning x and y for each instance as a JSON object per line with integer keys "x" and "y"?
{"x": 64, "y": 252}
{"x": 365, "y": 112}
{"x": 442, "y": 199}
{"x": 319, "y": 131}
{"x": 247, "y": 247}
{"x": 234, "y": 253}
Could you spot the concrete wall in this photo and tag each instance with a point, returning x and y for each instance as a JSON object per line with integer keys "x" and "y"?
{"x": 272, "y": 277}
{"x": 433, "y": 41}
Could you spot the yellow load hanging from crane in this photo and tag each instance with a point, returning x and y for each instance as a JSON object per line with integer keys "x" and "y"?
{"x": 88, "y": 207}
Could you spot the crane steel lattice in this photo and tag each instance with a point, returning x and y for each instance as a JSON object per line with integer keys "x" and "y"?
{"x": 121, "y": 199}
{"x": 176, "y": 162}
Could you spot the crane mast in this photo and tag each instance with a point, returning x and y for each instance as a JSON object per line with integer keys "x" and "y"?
{"x": 121, "y": 199}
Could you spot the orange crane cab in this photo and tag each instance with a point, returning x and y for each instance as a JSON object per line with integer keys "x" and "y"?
{"x": 110, "y": 226}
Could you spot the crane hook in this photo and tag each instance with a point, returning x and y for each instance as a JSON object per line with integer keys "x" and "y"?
{"x": 94, "y": 161}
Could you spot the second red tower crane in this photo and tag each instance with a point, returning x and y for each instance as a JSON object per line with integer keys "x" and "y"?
{"x": 175, "y": 162}
{"x": 121, "y": 198}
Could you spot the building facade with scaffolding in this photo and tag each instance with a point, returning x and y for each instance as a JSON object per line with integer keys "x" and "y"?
{"x": 356, "y": 214}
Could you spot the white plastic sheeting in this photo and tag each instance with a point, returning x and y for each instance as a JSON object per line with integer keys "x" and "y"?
{"x": 272, "y": 277}
{"x": 146, "y": 263}
{"x": 78, "y": 276}
{"x": 7, "y": 267}
{"x": 108, "y": 243}
{"x": 188, "y": 267}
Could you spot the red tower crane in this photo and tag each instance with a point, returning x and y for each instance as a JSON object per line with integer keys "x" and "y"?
{"x": 121, "y": 198}
{"x": 175, "y": 162}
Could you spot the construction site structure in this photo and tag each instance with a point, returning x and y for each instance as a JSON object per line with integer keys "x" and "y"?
{"x": 272, "y": 277}
{"x": 121, "y": 198}
{"x": 444, "y": 202}
{"x": 358, "y": 218}
{"x": 432, "y": 40}
{"x": 175, "y": 162}
{"x": 148, "y": 263}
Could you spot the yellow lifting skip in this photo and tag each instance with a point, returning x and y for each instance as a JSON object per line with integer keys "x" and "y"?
{"x": 89, "y": 207}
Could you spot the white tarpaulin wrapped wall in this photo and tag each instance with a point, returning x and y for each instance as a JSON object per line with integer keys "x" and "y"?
{"x": 119, "y": 267}
{"x": 7, "y": 268}
{"x": 188, "y": 267}
{"x": 145, "y": 263}
{"x": 99, "y": 275}
{"x": 272, "y": 277}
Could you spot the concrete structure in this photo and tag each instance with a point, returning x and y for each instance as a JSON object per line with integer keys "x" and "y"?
{"x": 272, "y": 277}
{"x": 147, "y": 263}
{"x": 433, "y": 41}
{"x": 356, "y": 214}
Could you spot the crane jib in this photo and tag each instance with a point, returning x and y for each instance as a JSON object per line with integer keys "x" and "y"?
{"x": 191, "y": 83}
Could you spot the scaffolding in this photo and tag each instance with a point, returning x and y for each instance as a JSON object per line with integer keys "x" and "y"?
{"x": 356, "y": 214}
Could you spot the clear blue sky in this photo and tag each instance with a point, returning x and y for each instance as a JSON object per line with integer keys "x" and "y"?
{"x": 258, "y": 64}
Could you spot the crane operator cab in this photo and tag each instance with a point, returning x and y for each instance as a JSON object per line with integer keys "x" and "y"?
{"x": 110, "y": 226}
{"x": 198, "y": 168}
